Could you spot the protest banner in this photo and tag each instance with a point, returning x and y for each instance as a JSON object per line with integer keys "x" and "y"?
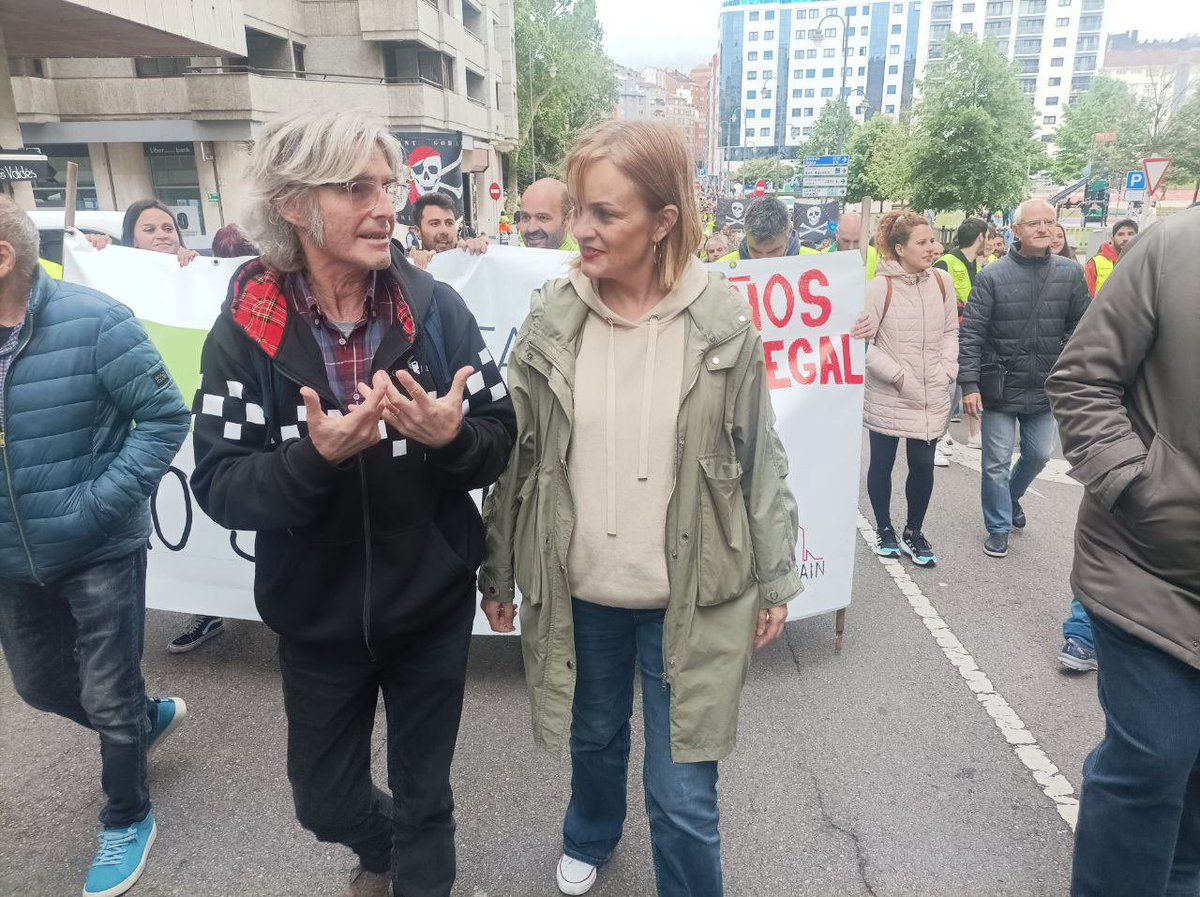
{"x": 804, "y": 307}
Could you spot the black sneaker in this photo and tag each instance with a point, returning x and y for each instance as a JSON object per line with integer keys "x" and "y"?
{"x": 1018, "y": 515}
{"x": 917, "y": 547}
{"x": 886, "y": 544}
{"x": 198, "y": 631}
{"x": 996, "y": 545}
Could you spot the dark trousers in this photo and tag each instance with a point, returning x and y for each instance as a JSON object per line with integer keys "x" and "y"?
{"x": 1139, "y": 811}
{"x": 330, "y": 703}
{"x": 74, "y": 647}
{"x": 919, "y": 487}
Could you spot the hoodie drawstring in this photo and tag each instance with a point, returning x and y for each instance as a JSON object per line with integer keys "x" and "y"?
{"x": 610, "y": 427}
{"x": 643, "y": 472}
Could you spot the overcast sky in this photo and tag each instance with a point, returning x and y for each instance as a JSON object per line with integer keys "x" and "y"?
{"x": 683, "y": 33}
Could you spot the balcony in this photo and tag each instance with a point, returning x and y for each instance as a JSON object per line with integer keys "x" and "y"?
{"x": 425, "y": 23}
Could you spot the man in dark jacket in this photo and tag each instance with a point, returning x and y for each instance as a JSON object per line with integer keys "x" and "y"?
{"x": 1021, "y": 311}
{"x": 1118, "y": 392}
{"x": 89, "y": 422}
{"x": 367, "y": 537}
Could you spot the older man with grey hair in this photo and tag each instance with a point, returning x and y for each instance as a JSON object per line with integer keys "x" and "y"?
{"x": 347, "y": 408}
{"x": 90, "y": 419}
{"x": 1021, "y": 311}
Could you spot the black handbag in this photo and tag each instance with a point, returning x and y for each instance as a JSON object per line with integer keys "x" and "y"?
{"x": 993, "y": 375}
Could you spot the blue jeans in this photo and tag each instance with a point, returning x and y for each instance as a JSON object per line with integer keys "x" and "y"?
{"x": 681, "y": 798}
{"x": 1139, "y": 812}
{"x": 1003, "y": 481}
{"x": 1079, "y": 624}
{"x": 74, "y": 647}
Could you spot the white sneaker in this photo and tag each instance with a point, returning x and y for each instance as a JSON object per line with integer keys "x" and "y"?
{"x": 975, "y": 442}
{"x": 575, "y": 876}
{"x": 940, "y": 460}
{"x": 946, "y": 440}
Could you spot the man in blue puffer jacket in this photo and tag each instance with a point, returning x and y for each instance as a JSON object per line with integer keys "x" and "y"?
{"x": 89, "y": 422}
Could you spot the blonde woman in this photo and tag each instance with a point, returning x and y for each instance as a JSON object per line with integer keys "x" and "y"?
{"x": 645, "y": 514}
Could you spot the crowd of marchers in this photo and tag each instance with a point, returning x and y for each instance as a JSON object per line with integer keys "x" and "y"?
{"x": 637, "y": 494}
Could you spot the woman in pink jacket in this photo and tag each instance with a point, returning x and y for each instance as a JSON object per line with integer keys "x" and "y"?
{"x": 911, "y": 366}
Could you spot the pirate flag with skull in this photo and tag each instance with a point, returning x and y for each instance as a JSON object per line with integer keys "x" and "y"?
{"x": 434, "y": 163}
{"x": 731, "y": 211}
{"x": 814, "y": 223}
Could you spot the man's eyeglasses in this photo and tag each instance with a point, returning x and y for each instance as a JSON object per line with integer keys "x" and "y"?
{"x": 1048, "y": 223}
{"x": 365, "y": 194}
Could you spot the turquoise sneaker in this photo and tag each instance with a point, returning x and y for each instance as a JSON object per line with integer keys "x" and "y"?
{"x": 168, "y": 714}
{"x": 121, "y": 858}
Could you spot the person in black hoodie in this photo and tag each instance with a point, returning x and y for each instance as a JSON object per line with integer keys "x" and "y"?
{"x": 347, "y": 407}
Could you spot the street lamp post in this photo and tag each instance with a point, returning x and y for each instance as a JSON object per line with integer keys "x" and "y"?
{"x": 817, "y": 36}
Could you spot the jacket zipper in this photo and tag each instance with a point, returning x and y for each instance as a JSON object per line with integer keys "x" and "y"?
{"x": 924, "y": 360}
{"x": 12, "y": 499}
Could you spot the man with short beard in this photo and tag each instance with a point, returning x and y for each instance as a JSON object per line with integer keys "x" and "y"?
{"x": 545, "y": 216}
{"x": 435, "y": 220}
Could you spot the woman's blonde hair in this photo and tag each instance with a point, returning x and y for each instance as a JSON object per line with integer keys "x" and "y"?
{"x": 292, "y": 156}
{"x": 654, "y": 157}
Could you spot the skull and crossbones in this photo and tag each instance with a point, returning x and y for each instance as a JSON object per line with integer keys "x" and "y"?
{"x": 737, "y": 211}
{"x": 427, "y": 172}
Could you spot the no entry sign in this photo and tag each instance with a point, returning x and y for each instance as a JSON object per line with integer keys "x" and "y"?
{"x": 760, "y": 188}
{"x": 494, "y": 190}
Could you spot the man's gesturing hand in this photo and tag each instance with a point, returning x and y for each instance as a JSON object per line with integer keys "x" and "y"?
{"x": 973, "y": 405}
{"x": 339, "y": 438}
{"x": 430, "y": 421}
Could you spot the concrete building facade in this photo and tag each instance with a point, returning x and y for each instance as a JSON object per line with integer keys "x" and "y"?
{"x": 1162, "y": 73}
{"x": 177, "y": 127}
{"x": 663, "y": 95}
{"x": 781, "y": 61}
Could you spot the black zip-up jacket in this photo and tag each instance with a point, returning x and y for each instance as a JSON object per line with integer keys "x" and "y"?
{"x": 1001, "y": 301}
{"x": 385, "y": 545}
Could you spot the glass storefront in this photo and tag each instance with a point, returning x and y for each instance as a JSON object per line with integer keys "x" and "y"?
{"x": 176, "y": 183}
{"x": 51, "y": 193}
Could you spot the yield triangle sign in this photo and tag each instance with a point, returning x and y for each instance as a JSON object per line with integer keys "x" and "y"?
{"x": 1156, "y": 170}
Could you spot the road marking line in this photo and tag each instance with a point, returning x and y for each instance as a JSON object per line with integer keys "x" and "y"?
{"x": 1052, "y": 782}
{"x": 1056, "y": 471}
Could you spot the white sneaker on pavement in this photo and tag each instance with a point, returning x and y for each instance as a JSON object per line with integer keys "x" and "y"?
{"x": 575, "y": 876}
{"x": 940, "y": 460}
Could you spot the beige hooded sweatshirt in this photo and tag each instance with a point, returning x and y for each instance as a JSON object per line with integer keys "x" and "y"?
{"x": 628, "y": 381}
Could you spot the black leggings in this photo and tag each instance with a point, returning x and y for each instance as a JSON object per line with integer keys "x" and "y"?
{"x": 917, "y": 489}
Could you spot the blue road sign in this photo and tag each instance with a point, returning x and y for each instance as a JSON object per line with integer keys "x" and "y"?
{"x": 826, "y": 160}
{"x": 1135, "y": 180}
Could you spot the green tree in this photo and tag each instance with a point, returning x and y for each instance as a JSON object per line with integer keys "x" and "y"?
{"x": 972, "y": 145}
{"x": 1182, "y": 142}
{"x": 772, "y": 169}
{"x": 1110, "y": 109}
{"x": 565, "y": 83}
{"x": 877, "y": 152}
{"x": 831, "y": 132}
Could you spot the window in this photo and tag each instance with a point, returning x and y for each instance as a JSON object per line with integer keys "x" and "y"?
{"x": 897, "y": 8}
{"x": 753, "y": 35}
{"x": 861, "y": 71}
{"x": 1033, "y": 7}
{"x": 1027, "y": 66}
{"x": 890, "y": 110}
{"x": 1051, "y": 101}
{"x": 1029, "y": 46}
{"x": 809, "y": 93}
{"x": 826, "y": 73}
{"x": 850, "y": 32}
{"x": 797, "y": 74}
{"x": 826, "y": 91}
{"x": 768, "y": 35}
{"x": 831, "y": 11}
{"x": 807, "y": 131}
{"x": 1062, "y": 23}
{"x": 829, "y": 53}
{"x": 847, "y": 72}
{"x": 1085, "y": 63}
{"x": 810, "y": 73}
{"x": 768, "y": 54}
{"x": 795, "y": 113}
{"x": 893, "y": 69}
{"x": 1087, "y": 42}
{"x": 809, "y": 111}
{"x": 966, "y": 27}
{"x": 767, "y": 94}
{"x": 764, "y": 132}
{"x": 813, "y": 13}
{"x": 939, "y": 30}
{"x": 476, "y": 88}
{"x": 862, "y": 51}
{"x": 749, "y": 132}
{"x": 1064, "y": 2}
{"x": 752, "y": 94}
{"x": 797, "y": 93}
{"x": 752, "y": 56}
{"x": 51, "y": 192}
{"x": 1089, "y": 23}
{"x": 831, "y": 32}
{"x": 1060, "y": 42}
{"x": 27, "y": 67}
{"x": 749, "y": 113}
{"x": 1056, "y": 62}
{"x": 812, "y": 54}
{"x": 891, "y": 88}
{"x": 754, "y": 17}
{"x": 999, "y": 8}
{"x": 894, "y": 50}
{"x": 1028, "y": 85}
{"x": 298, "y": 57}
{"x": 968, "y": 7}
{"x": 768, "y": 74}
{"x": 1049, "y": 119}
{"x": 1031, "y": 26}
{"x": 751, "y": 76}
{"x": 863, "y": 31}
{"x": 942, "y": 10}
{"x": 770, "y": 15}
{"x": 895, "y": 29}
{"x": 161, "y": 66}
{"x": 997, "y": 29}
{"x": 1054, "y": 82}
{"x": 799, "y": 54}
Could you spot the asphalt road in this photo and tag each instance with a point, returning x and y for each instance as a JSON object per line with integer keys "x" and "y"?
{"x": 921, "y": 760}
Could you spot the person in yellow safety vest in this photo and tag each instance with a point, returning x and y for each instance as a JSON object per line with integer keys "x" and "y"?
{"x": 1099, "y": 266}
{"x": 768, "y": 233}
{"x": 962, "y": 262}
{"x": 546, "y": 216}
{"x": 54, "y": 270}
{"x": 848, "y": 238}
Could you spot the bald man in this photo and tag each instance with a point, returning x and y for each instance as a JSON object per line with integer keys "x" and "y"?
{"x": 1022, "y": 310}
{"x": 546, "y": 216}
{"x": 849, "y": 239}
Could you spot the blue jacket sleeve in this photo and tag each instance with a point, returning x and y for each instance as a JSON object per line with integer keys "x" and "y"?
{"x": 132, "y": 372}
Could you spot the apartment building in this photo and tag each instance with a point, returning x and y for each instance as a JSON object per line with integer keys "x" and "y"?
{"x": 178, "y": 126}
{"x": 1161, "y": 72}
{"x": 1058, "y": 45}
{"x": 663, "y": 95}
{"x": 702, "y": 78}
{"x": 780, "y": 61}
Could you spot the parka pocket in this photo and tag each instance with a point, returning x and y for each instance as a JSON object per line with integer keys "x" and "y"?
{"x": 528, "y": 551}
{"x": 726, "y": 564}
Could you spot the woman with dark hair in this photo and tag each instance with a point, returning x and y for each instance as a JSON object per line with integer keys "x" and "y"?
{"x": 645, "y": 512}
{"x": 911, "y": 365}
{"x": 1059, "y": 244}
{"x": 149, "y": 225}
